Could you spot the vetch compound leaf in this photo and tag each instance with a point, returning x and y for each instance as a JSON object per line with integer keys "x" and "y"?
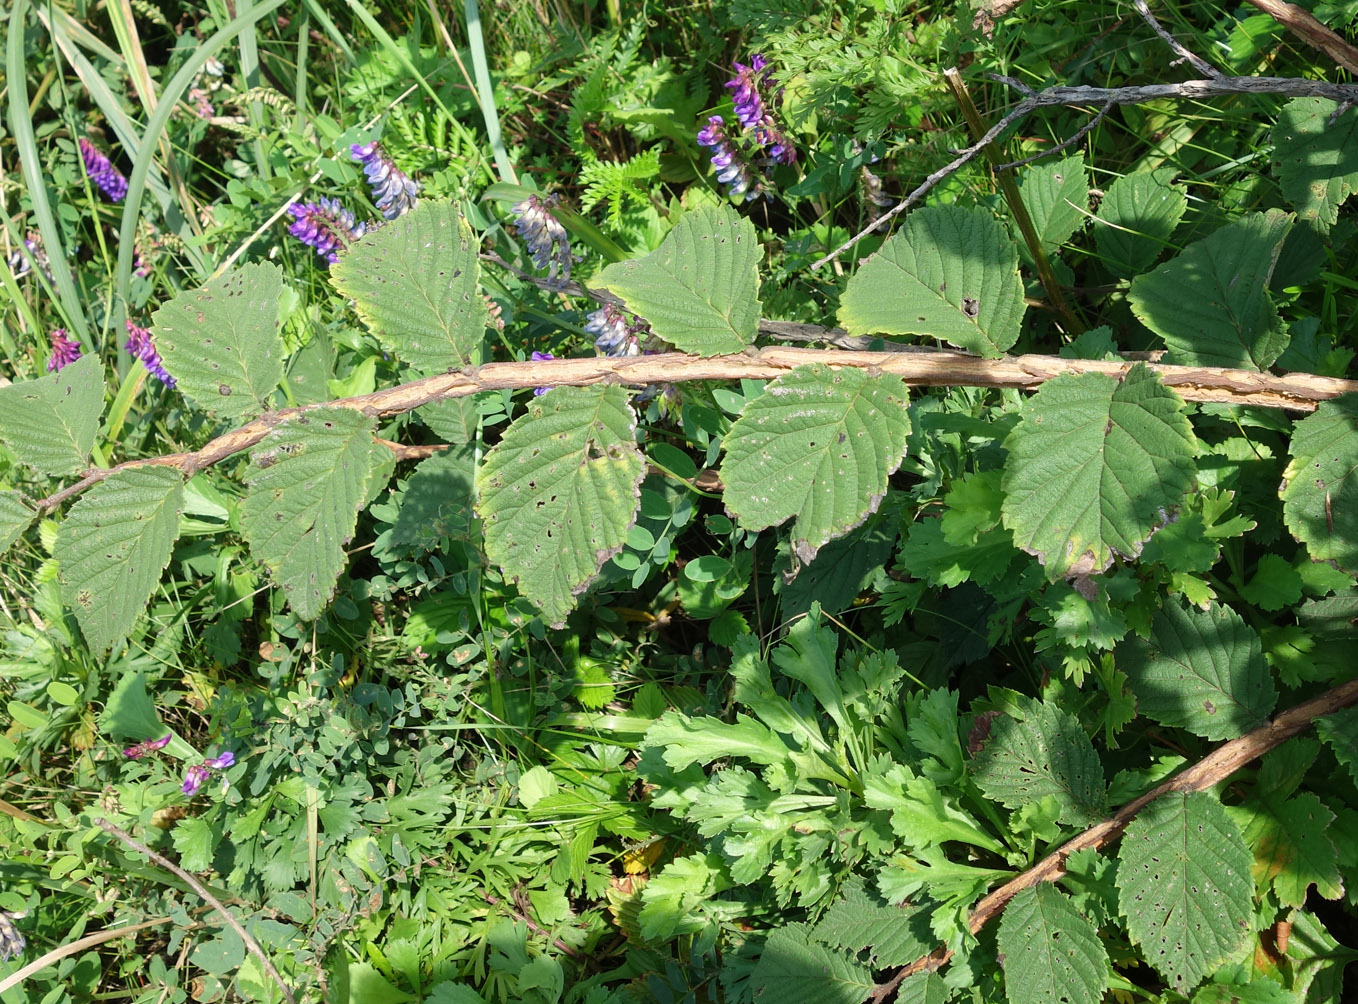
{"x": 1203, "y": 671}
{"x": 1211, "y": 305}
{"x": 221, "y": 342}
{"x": 949, "y": 273}
{"x": 818, "y": 444}
{"x": 414, "y": 283}
{"x": 15, "y": 518}
{"x": 113, "y": 546}
{"x": 1057, "y": 198}
{"x": 1184, "y": 886}
{"x": 700, "y": 289}
{"x": 307, "y": 481}
{"x": 1316, "y": 163}
{"x": 1094, "y": 467}
{"x": 50, "y": 423}
{"x": 559, "y": 492}
{"x": 1320, "y": 485}
{"x": 793, "y": 969}
{"x": 1136, "y": 220}
{"x": 1052, "y": 953}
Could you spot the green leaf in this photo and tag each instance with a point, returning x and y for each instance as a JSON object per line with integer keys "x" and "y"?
{"x": 929, "y": 555}
{"x": 50, "y": 423}
{"x": 1052, "y": 953}
{"x": 795, "y": 970}
{"x": 1320, "y": 485}
{"x": 559, "y": 492}
{"x": 1093, "y": 466}
{"x": 1274, "y": 585}
{"x": 674, "y": 898}
{"x": 1316, "y": 163}
{"x": 1136, "y": 220}
{"x": 858, "y": 920}
{"x": 1210, "y": 304}
{"x": 1056, "y": 195}
{"x": 1201, "y": 670}
{"x": 307, "y": 481}
{"x": 818, "y": 444}
{"x": 700, "y": 289}
{"x": 1340, "y": 732}
{"x": 415, "y": 283}
{"x": 15, "y": 518}
{"x": 949, "y": 273}
{"x": 923, "y": 988}
{"x": 1184, "y": 886}
{"x": 808, "y": 656}
{"x": 112, "y": 547}
{"x": 1292, "y": 848}
{"x": 1043, "y": 753}
{"x": 221, "y": 342}
{"x": 437, "y": 502}
{"x": 684, "y": 740}
{"x": 920, "y": 814}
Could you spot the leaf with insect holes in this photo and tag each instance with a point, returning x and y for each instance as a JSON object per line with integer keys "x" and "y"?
{"x": 1052, "y": 953}
{"x": 559, "y": 492}
{"x": 221, "y": 342}
{"x": 1056, "y": 194}
{"x": 1316, "y": 162}
{"x": 1320, "y": 485}
{"x": 818, "y": 444}
{"x": 113, "y": 546}
{"x": 307, "y": 481}
{"x": 50, "y": 423}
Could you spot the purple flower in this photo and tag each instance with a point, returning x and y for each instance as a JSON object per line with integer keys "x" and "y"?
{"x": 613, "y": 335}
{"x": 198, "y": 773}
{"x": 140, "y": 345}
{"x": 745, "y": 90}
{"x": 21, "y": 264}
{"x": 221, "y": 762}
{"x": 326, "y": 226}
{"x": 733, "y": 171}
{"x": 541, "y": 357}
{"x": 12, "y": 943}
{"x": 393, "y": 191}
{"x": 101, "y": 171}
{"x": 64, "y": 351}
{"x": 544, "y": 235}
{"x": 148, "y": 746}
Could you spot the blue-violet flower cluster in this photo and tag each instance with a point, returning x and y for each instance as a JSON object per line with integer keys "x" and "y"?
{"x": 101, "y": 171}
{"x": 393, "y": 191}
{"x": 64, "y": 351}
{"x": 140, "y": 345}
{"x": 12, "y": 943}
{"x": 544, "y": 235}
{"x": 198, "y": 773}
{"x": 613, "y": 336}
{"x": 326, "y": 226}
{"x": 742, "y": 160}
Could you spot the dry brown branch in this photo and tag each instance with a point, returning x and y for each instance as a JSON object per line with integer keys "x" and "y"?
{"x": 937, "y": 368}
{"x": 1218, "y": 765}
{"x": 1302, "y": 24}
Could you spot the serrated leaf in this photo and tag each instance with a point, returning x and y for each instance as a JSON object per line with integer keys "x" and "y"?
{"x": 415, "y": 283}
{"x": 949, "y": 273}
{"x": 1292, "y": 850}
{"x": 112, "y": 547}
{"x": 1184, "y": 886}
{"x": 1052, "y": 953}
{"x": 1094, "y": 464}
{"x": 1056, "y": 195}
{"x": 920, "y": 814}
{"x": 1136, "y": 220}
{"x": 700, "y": 289}
{"x": 818, "y": 444}
{"x": 1274, "y": 585}
{"x": 684, "y": 740}
{"x": 1201, "y": 670}
{"x": 857, "y": 920}
{"x": 1316, "y": 162}
{"x": 221, "y": 342}
{"x": 15, "y": 518}
{"x": 1210, "y": 304}
{"x": 307, "y": 481}
{"x": 1044, "y": 754}
{"x": 559, "y": 492}
{"x": 923, "y": 988}
{"x": 50, "y": 423}
{"x": 1340, "y": 732}
{"x": 673, "y": 899}
{"x": 1320, "y": 485}
{"x": 795, "y": 970}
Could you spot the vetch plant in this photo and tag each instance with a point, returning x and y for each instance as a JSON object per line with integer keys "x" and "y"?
{"x": 101, "y": 171}
{"x": 393, "y": 191}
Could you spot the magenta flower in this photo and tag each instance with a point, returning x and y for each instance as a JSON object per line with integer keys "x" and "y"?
{"x": 733, "y": 169}
{"x": 326, "y": 226}
{"x": 545, "y": 237}
{"x": 756, "y": 114}
{"x": 101, "y": 171}
{"x": 198, "y": 773}
{"x": 144, "y": 748}
{"x": 140, "y": 345}
{"x": 393, "y": 191}
{"x": 64, "y": 351}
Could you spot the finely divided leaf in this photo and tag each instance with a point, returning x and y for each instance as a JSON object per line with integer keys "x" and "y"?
{"x": 1045, "y": 753}
{"x": 818, "y": 444}
{"x": 1056, "y": 195}
{"x": 1320, "y": 485}
{"x": 793, "y": 969}
{"x": 415, "y": 284}
{"x": 559, "y": 492}
{"x": 1184, "y": 886}
{"x": 1316, "y": 162}
{"x": 307, "y": 481}
{"x": 1201, "y": 670}
{"x": 1211, "y": 305}
{"x": 1052, "y": 953}
{"x": 15, "y": 518}
{"x": 112, "y": 547}
{"x": 700, "y": 289}
{"x": 50, "y": 423}
{"x": 1136, "y": 220}
{"x": 950, "y": 273}
{"x": 221, "y": 342}
{"x": 1094, "y": 466}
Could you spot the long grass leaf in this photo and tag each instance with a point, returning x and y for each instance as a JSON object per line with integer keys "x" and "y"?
{"x": 486, "y": 89}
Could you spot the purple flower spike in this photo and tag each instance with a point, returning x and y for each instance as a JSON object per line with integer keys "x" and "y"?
{"x": 545, "y": 237}
{"x": 194, "y": 778}
{"x": 541, "y": 357}
{"x": 613, "y": 335}
{"x": 745, "y": 90}
{"x": 393, "y": 191}
{"x": 143, "y": 748}
{"x": 221, "y": 762}
{"x": 140, "y": 345}
{"x": 64, "y": 351}
{"x": 102, "y": 172}
{"x": 733, "y": 171}
{"x": 326, "y": 226}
